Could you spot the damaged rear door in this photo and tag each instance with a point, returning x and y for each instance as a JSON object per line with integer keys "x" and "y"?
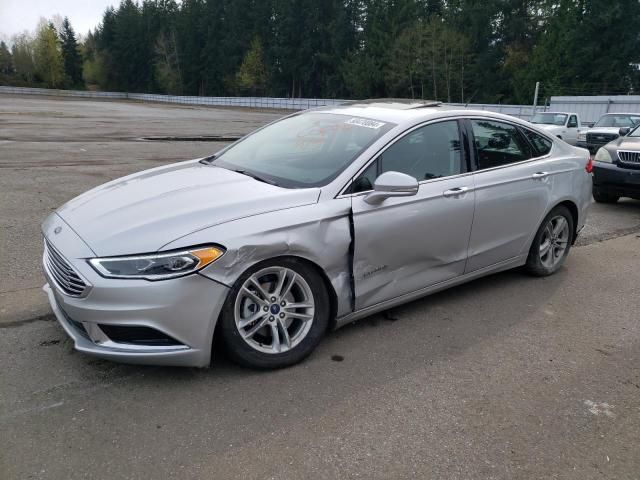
{"x": 404, "y": 244}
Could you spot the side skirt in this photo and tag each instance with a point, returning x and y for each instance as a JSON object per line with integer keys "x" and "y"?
{"x": 408, "y": 297}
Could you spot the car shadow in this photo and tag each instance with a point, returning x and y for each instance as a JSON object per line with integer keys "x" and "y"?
{"x": 425, "y": 330}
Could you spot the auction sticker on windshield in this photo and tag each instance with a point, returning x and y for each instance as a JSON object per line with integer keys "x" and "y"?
{"x": 365, "y": 122}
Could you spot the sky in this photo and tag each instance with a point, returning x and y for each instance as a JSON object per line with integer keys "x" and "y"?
{"x": 19, "y": 15}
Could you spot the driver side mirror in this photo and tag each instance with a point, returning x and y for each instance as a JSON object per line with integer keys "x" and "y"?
{"x": 624, "y": 131}
{"x": 392, "y": 184}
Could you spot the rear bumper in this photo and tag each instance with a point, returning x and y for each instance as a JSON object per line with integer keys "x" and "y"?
{"x": 610, "y": 178}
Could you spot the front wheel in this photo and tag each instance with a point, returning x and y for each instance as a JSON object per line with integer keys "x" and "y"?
{"x": 275, "y": 315}
{"x": 551, "y": 244}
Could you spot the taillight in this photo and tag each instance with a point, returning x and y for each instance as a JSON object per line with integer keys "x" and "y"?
{"x": 589, "y": 166}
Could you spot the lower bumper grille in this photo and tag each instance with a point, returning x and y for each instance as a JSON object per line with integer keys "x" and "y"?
{"x": 136, "y": 335}
{"x": 79, "y": 327}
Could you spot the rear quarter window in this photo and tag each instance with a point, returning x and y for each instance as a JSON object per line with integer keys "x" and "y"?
{"x": 541, "y": 144}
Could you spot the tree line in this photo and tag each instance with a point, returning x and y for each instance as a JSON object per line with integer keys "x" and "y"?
{"x": 450, "y": 50}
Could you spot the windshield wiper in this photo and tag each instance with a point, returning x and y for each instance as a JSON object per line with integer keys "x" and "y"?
{"x": 209, "y": 161}
{"x": 254, "y": 176}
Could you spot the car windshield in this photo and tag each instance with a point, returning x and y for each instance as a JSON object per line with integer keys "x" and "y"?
{"x": 635, "y": 132}
{"x": 549, "y": 118}
{"x": 618, "y": 121}
{"x": 306, "y": 150}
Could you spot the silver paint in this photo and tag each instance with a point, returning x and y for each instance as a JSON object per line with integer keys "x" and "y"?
{"x": 452, "y": 230}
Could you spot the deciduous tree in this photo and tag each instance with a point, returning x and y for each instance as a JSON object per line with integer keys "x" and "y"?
{"x": 252, "y": 76}
{"x": 49, "y": 64}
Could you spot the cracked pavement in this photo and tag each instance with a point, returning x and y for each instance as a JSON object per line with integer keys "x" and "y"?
{"x": 506, "y": 377}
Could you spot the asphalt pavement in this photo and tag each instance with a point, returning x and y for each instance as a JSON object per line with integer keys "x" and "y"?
{"x": 506, "y": 377}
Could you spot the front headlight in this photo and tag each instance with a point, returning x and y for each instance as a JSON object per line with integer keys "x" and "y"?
{"x": 602, "y": 155}
{"x": 582, "y": 136}
{"x": 157, "y": 266}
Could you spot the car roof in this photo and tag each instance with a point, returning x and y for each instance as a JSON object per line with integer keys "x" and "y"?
{"x": 401, "y": 112}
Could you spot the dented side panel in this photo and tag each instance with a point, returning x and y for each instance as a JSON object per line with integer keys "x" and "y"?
{"x": 405, "y": 244}
{"x": 319, "y": 233}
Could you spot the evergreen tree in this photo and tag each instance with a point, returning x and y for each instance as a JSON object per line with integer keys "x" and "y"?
{"x": 71, "y": 55}
{"x": 6, "y": 61}
{"x": 455, "y": 50}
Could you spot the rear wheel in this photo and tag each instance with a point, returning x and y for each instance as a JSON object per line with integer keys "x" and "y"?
{"x": 551, "y": 244}
{"x": 601, "y": 196}
{"x": 275, "y": 315}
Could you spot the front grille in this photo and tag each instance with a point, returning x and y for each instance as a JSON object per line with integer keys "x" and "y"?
{"x": 601, "y": 138}
{"x": 65, "y": 277}
{"x": 629, "y": 157}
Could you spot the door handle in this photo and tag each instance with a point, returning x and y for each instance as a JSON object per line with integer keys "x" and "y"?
{"x": 540, "y": 175}
{"x": 454, "y": 192}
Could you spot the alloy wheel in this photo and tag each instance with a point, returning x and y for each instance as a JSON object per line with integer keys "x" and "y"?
{"x": 554, "y": 241}
{"x": 274, "y": 310}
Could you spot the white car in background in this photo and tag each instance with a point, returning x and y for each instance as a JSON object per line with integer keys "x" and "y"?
{"x": 607, "y": 129}
{"x": 564, "y": 125}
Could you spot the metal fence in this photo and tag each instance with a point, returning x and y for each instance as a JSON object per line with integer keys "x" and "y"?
{"x": 520, "y": 111}
{"x": 61, "y": 93}
{"x": 591, "y": 108}
{"x": 251, "y": 102}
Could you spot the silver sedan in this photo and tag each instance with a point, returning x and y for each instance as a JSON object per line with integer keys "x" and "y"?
{"x": 309, "y": 223}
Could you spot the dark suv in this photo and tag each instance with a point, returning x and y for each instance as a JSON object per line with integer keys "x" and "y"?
{"x": 616, "y": 168}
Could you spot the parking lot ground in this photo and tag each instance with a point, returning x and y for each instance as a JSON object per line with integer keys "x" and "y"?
{"x": 507, "y": 377}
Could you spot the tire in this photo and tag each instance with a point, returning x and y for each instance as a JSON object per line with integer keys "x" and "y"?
{"x": 304, "y": 326}
{"x": 555, "y": 243}
{"x": 603, "y": 197}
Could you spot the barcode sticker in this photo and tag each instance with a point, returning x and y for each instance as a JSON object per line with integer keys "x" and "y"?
{"x": 365, "y": 122}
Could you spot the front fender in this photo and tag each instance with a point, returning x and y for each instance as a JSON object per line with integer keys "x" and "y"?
{"x": 319, "y": 233}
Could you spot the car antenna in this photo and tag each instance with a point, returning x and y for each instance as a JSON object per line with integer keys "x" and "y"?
{"x": 470, "y": 98}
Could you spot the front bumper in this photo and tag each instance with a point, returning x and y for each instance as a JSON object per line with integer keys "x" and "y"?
{"x": 616, "y": 180}
{"x": 184, "y": 310}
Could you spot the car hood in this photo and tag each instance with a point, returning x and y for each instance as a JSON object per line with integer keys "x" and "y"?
{"x": 615, "y": 130}
{"x": 626, "y": 143}
{"x": 145, "y": 211}
{"x": 549, "y": 127}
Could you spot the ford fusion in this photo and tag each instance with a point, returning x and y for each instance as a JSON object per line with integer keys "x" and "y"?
{"x": 309, "y": 223}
